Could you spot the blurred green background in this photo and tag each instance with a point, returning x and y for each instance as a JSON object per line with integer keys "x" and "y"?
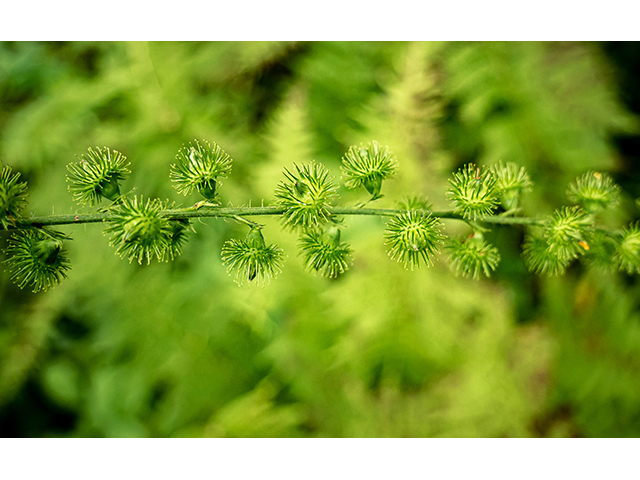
{"x": 177, "y": 349}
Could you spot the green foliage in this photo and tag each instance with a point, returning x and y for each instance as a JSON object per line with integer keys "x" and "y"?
{"x": 176, "y": 349}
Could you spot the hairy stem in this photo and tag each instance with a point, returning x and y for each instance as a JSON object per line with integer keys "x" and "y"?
{"x": 235, "y": 212}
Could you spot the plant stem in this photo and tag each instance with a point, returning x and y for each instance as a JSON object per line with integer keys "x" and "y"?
{"x": 235, "y": 212}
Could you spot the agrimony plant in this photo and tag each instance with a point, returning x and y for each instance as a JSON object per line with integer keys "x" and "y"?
{"x": 143, "y": 229}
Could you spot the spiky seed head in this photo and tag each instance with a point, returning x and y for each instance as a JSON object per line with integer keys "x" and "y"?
{"x": 541, "y": 259}
{"x": 367, "y": 166}
{"x": 198, "y": 167}
{"x": 511, "y": 182}
{"x": 627, "y": 254}
{"x": 594, "y": 191}
{"x": 415, "y": 202}
{"x": 140, "y": 230}
{"x": 413, "y": 237}
{"x": 325, "y": 253}
{"x": 564, "y": 231}
{"x": 37, "y": 258}
{"x": 252, "y": 259}
{"x": 306, "y": 193}
{"x": 13, "y": 196}
{"x": 97, "y": 175}
{"x": 473, "y": 192}
{"x": 472, "y": 256}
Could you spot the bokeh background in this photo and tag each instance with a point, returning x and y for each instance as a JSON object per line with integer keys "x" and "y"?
{"x": 177, "y": 349}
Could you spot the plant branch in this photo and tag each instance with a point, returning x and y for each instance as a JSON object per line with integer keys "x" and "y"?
{"x": 234, "y": 212}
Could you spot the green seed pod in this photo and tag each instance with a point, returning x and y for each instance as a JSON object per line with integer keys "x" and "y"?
{"x": 325, "y": 253}
{"x": 12, "y": 196}
{"x": 307, "y": 194}
{"x": 37, "y": 258}
{"x": 97, "y": 176}
{"x": 594, "y": 191}
{"x": 368, "y": 166}
{"x": 252, "y": 259}
{"x": 179, "y": 233}
{"x": 198, "y": 167}
{"x": 511, "y": 182}
{"x": 140, "y": 230}
{"x": 473, "y": 256}
{"x": 473, "y": 192}
{"x": 414, "y": 237}
{"x": 627, "y": 254}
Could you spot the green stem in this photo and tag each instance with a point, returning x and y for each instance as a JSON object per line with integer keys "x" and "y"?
{"x": 235, "y": 212}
